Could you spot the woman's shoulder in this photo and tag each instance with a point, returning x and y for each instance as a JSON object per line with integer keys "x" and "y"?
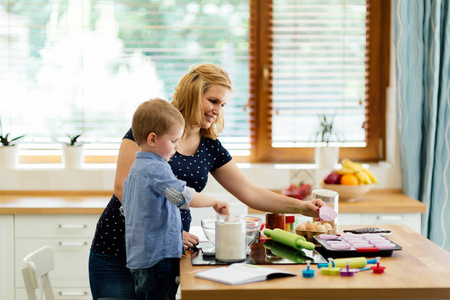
{"x": 213, "y": 144}
{"x": 129, "y": 135}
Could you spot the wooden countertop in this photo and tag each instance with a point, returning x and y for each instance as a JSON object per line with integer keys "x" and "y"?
{"x": 377, "y": 201}
{"x": 420, "y": 271}
{"x": 53, "y": 202}
{"x": 93, "y": 202}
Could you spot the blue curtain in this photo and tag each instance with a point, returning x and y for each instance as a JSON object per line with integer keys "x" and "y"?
{"x": 422, "y": 55}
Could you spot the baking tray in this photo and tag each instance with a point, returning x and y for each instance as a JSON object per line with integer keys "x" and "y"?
{"x": 261, "y": 252}
{"x": 327, "y": 251}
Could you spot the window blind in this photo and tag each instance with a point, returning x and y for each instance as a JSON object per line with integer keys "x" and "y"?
{"x": 319, "y": 66}
{"x": 73, "y": 66}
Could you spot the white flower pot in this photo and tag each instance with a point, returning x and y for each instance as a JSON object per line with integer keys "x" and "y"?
{"x": 9, "y": 157}
{"x": 326, "y": 157}
{"x": 73, "y": 156}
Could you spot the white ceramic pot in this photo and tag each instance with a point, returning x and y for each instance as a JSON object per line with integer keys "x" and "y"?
{"x": 326, "y": 157}
{"x": 73, "y": 156}
{"x": 9, "y": 157}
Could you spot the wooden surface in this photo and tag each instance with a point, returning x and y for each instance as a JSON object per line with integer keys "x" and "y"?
{"x": 420, "y": 271}
{"x": 53, "y": 202}
{"x": 377, "y": 201}
{"x": 93, "y": 202}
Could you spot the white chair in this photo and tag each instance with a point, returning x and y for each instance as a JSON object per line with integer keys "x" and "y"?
{"x": 35, "y": 273}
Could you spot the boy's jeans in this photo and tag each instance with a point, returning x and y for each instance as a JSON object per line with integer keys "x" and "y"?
{"x": 157, "y": 282}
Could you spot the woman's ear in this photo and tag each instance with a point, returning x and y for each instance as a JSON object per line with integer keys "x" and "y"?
{"x": 151, "y": 139}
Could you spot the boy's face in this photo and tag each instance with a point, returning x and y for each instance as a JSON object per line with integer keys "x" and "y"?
{"x": 167, "y": 144}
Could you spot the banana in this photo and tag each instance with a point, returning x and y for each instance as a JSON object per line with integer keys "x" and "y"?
{"x": 344, "y": 171}
{"x": 347, "y": 163}
{"x": 363, "y": 177}
{"x": 371, "y": 175}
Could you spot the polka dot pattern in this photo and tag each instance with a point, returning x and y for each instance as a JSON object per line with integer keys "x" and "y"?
{"x": 110, "y": 232}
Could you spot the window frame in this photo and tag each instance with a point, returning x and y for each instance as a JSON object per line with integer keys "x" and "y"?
{"x": 260, "y": 64}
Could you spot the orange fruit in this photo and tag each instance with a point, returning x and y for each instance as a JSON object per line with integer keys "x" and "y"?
{"x": 349, "y": 179}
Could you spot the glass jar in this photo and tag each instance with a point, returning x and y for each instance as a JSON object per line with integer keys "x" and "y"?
{"x": 230, "y": 238}
{"x": 275, "y": 220}
{"x": 331, "y": 199}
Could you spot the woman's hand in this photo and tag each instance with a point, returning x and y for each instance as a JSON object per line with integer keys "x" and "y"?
{"x": 222, "y": 207}
{"x": 189, "y": 240}
{"x": 311, "y": 207}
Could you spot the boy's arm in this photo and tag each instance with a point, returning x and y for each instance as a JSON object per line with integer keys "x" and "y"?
{"x": 201, "y": 200}
{"x": 189, "y": 197}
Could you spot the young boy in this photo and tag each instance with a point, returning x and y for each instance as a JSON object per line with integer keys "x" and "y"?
{"x": 151, "y": 198}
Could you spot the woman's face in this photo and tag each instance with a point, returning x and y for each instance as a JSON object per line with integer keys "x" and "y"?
{"x": 213, "y": 102}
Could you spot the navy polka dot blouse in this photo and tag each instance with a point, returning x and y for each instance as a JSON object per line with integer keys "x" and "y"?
{"x": 110, "y": 232}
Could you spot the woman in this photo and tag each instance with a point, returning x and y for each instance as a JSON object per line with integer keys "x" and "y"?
{"x": 200, "y": 96}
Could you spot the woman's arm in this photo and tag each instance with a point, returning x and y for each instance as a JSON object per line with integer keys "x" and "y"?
{"x": 234, "y": 181}
{"x": 126, "y": 157}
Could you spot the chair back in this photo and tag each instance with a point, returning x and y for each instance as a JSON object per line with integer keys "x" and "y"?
{"x": 35, "y": 273}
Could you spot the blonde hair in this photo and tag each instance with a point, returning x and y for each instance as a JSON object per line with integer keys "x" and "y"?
{"x": 188, "y": 96}
{"x": 155, "y": 115}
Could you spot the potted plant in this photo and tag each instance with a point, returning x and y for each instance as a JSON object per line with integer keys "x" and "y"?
{"x": 326, "y": 155}
{"x": 73, "y": 152}
{"x": 9, "y": 153}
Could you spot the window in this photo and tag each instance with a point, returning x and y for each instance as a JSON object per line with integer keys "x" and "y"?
{"x": 73, "y": 66}
{"x": 318, "y": 57}
{"x": 77, "y": 66}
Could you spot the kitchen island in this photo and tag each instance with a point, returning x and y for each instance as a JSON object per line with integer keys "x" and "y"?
{"x": 420, "y": 271}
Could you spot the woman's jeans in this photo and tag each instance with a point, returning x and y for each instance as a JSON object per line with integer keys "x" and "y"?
{"x": 109, "y": 277}
{"x": 158, "y": 282}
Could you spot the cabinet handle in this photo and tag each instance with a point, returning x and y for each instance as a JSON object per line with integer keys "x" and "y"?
{"x": 72, "y": 244}
{"x": 396, "y": 217}
{"x": 72, "y": 226}
{"x": 73, "y": 294}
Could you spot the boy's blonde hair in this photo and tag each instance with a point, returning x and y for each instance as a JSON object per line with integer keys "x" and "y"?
{"x": 188, "y": 96}
{"x": 155, "y": 115}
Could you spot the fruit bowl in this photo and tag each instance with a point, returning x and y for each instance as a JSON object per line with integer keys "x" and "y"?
{"x": 253, "y": 226}
{"x": 348, "y": 192}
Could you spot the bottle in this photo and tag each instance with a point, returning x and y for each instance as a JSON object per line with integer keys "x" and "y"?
{"x": 331, "y": 199}
{"x": 275, "y": 220}
{"x": 290, "y": 222}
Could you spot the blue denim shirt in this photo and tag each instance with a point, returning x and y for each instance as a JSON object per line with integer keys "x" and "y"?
{"x": 153, "y": 229}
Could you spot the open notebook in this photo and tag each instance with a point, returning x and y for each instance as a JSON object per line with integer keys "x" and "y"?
{"x": 239, "y": 273}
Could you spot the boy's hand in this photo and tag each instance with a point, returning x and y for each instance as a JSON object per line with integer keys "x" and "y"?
{"x": 222, "y": 207}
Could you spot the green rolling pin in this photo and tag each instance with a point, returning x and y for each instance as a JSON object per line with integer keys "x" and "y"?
{"x": 294, "y": 255}
{"x": 289, "y": 239}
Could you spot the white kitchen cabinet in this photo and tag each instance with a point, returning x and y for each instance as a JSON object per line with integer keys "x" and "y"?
{"x": 413, "y": 220}
{"x": 6, "y": 257}
{"x": 70, "y": 237}
{"x": 60, "y": 294}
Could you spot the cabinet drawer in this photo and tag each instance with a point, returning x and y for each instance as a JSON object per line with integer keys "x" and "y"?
{"x": 413, "y": 220}
{"x": 70, "y": 256}
{"x": 60, "y": 294}
{"x": 55, "y": 226}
